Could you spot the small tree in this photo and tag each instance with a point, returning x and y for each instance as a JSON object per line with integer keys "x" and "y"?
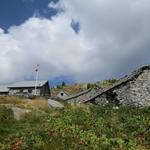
{"x": 58, "y": 86}
{"x": 63, "y": 83}
{"x": 88, "y": 86}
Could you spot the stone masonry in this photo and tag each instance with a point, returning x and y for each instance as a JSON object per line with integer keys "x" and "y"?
{"x": 133, "y": 90}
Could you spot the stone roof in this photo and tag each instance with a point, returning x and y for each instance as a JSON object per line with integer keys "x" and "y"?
{"x": 83, "y": 93}
{"x": 3, "y": 89}
{"x": 78, "y": 94}
{"x": 121, "y": 81}
{"x": 24, "y": 84}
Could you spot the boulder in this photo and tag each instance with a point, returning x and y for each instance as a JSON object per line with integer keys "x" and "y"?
{"x": 18, "y": 112}
{"x": 54, "y": 104}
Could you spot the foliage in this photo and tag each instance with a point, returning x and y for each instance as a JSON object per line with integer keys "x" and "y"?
{"x": 88, "y": 85}
{"x": 106, "y": 83}
{"x": 93, "y": 127}
{"x": 63, "y": 84}
{"x": 60, "y": 86}
{"x": 6, "y": 119}
{"x": 69, "y": 89}
{"x": 6, "y": 115}
{"x": 91, "y": 85}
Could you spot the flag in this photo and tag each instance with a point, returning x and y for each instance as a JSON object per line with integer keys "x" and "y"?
{"x": 37, "y": 68}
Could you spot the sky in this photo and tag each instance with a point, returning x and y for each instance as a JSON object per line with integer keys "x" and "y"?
{"x": 86, "y": 41}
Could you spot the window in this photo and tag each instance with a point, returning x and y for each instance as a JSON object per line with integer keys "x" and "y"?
{"x": 30, "y": 91}
{"x": 21, "y": 91}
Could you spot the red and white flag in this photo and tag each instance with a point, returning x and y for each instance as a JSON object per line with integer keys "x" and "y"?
{"x": 37, "y": 68}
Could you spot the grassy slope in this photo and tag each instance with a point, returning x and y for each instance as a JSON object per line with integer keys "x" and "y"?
{"x": 77, "y": 127}
{"x": 69, "y": 89}
{"x": 76, "y": 88}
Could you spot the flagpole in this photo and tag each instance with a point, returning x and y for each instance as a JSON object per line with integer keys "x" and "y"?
{"x": 36, "y": 79}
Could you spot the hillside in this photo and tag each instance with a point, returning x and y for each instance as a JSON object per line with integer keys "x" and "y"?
{"x": 69, "y": 89}
{"x": 76, "y": 88}
{"x": 74, "y": 127}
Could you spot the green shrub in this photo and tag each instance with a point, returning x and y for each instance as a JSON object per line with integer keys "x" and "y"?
{"x": 7, "y": 122}
{"x": 99, "y": 128}
{"x": 6, "y": 115}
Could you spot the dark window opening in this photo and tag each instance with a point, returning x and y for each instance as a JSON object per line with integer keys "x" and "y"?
{"x": 21, "y": 91}
{"x": 112, "y": 97}
{"x": 30, "y": 91}
{"x": 62, "y": 94}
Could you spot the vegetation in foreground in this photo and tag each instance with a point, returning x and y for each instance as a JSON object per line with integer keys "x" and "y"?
{"x": 77, "y": 127}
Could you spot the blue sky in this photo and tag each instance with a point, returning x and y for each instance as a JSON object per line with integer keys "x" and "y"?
{"x": 15, "y": 12}
{"x": 83, "y": 40}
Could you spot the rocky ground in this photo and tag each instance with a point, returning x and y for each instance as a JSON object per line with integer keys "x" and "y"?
{"x": 21, "y": 106}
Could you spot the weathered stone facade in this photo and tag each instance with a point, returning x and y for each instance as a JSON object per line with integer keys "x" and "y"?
{"x": 133, "y": 90}
{"x": 62, "y": 95}
{"x": 27, "y": 89}
{"x": 4, "y": 90}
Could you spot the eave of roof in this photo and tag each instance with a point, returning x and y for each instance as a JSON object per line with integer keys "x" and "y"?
{"x": 25, "y": 84}
{"x": 3, "y": 89}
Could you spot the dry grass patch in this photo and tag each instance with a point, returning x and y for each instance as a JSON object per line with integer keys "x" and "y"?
{"x": 11, "y": 100}
{"x": 24, "y": 103}
{"x": 82, "y": 106}
{"x": 39, "y": 103}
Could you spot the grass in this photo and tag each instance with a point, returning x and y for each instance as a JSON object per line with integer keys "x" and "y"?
{"x": 39, "y": 103}
{"x": 77, "y": 127}
{"x": 11, "y": 100}
{"x": 69, "y": 89}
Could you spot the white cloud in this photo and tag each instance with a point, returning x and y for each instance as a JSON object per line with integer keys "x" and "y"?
{"x": 57, "y": 6}
{"x": 119, "y": 31}
{"x": 51, "y": 43}
{"x": 113, "y": 39}
{"x": 54, "y": 5}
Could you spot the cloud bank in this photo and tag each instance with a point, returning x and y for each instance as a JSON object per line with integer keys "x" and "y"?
{"x": 113, "y": 39}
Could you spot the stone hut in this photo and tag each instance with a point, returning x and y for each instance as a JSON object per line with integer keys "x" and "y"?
{"x": 133, "y": 90}
{"x": 62, "y": 95}
{"x": 27, "y": 88}
{"x": 4, "y": 90}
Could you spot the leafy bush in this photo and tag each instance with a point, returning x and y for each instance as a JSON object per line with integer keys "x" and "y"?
{"x": 6, "y": 121}
{"x": 100, "y": 128}
{"x": 6, "y": 115}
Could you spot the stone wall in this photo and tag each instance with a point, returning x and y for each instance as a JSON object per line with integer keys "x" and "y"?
{"x": 135, "y": 92}
{"x": 45, "y": 90}
{"x": 140, "y": 89}
{"x": 24, "y": 91}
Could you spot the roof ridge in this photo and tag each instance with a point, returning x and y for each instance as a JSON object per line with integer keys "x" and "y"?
{"x": 78, "y": 94}
{"x": 27, "y": 83}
